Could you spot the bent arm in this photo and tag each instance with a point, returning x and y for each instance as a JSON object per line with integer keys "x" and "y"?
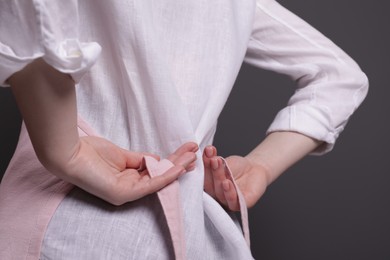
{"x": 329, "y": 84}
{"x": 329, "y": 88}
{"x": 47, "y": 101}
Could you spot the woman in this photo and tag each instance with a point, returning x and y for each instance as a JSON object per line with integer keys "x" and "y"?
{"x": 153, "y": 77}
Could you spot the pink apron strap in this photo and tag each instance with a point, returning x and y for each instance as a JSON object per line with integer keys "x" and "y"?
{"x": 170, "y": 201}
{"x": 241, "y": 201}
{"x": 169, "y": 197}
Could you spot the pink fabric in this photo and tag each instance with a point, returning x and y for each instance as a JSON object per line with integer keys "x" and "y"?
{"x": 28, "y": 184}
{"x": 242, "y": 202}
{"x": 170, "y": 201}
{"x": 40, "y": 192}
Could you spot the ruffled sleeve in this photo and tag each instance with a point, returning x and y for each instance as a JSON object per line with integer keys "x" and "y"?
{"x": 47, "y": 29}
{"x": 330, "y": 85}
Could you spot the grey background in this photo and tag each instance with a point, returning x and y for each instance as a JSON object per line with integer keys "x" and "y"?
{"x": 335, "y": 206}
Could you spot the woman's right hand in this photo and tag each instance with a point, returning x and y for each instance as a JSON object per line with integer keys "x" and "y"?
{"x": 112, "y": 173}
{"x": 46, "y": 99}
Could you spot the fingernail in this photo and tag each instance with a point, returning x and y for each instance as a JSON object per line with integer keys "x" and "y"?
{"x": 209, "y": 151}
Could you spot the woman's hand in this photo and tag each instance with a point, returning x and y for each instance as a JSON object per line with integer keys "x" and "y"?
{"x": 251, "y": 179}
{"x": 113, "y": 174}
{"x": 254, "y": 172}
{"x": 46, "y": 98}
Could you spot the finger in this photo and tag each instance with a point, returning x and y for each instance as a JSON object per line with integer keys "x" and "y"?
{"x": 218, "y": 171}
{"x": 133, "y": 159}
{"x": 142, "y": 166}
{"x": 155, "y": 184}
{"x": 209, "y": 152}
{"x": 187, "y": 147}
{"x": 231, "y": 195}
{"x": 186, "y": 160}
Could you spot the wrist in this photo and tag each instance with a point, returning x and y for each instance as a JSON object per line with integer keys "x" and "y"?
{"x": 56, "y": 157}
{"x": 280, "y": 150}
{"x": 262, "y": 166}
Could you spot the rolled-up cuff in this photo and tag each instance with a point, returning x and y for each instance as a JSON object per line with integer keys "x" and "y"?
{"x": 70, "y": 56}
{"x": 310, "y": 121}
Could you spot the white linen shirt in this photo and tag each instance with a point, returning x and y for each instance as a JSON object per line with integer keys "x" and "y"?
{"x": 152, "y": 75}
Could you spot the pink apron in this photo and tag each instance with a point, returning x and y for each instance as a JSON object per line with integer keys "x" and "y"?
{"x": 28, "y": 201}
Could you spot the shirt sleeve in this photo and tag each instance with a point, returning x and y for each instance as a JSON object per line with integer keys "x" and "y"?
{"x": 47, "y": 29}
{"x": 329, "y": 84}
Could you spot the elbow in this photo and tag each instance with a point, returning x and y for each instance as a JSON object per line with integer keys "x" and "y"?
{"x": 360, "y": 84}
{"x": 351, "y": 81}
{"x": 364, "y": 82}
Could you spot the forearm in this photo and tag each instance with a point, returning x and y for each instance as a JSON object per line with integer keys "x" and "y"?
{"x": 47, "y": 101}
{"x": 280, "y": 150}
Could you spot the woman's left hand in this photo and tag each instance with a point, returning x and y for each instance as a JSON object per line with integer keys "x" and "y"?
{"x": 251, "y": 179}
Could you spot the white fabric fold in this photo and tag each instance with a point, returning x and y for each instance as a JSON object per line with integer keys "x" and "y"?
{"x": 39, "y": 29}
{"x": 329, "y": 84}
